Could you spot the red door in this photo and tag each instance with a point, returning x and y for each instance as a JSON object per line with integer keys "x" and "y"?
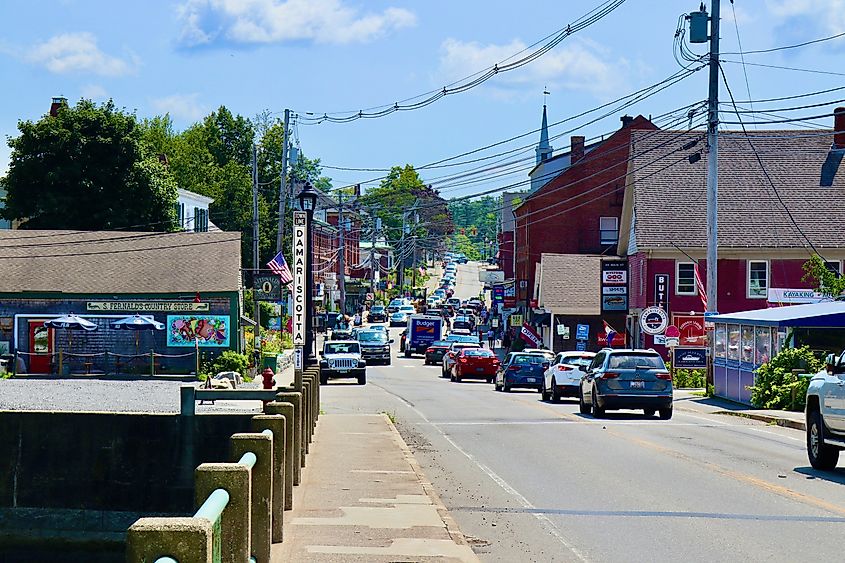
{"x": 41, "y": 346}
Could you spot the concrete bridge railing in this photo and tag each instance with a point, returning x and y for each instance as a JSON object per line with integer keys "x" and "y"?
{"x": 240, "y": 504}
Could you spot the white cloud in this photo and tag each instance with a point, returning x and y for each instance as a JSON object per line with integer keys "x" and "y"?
{"x": 94, "y": 92}
{"x": 249, "y": 22}
{"x": 180, "y": 106}
{"x": 573, "y": 65}
{"x": 76, "y": 52}
{"x": 827, "y": 14}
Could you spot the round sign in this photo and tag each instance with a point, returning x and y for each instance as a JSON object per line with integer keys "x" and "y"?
{"x": 673, "y": 332}
{"x": 654, "y": 320}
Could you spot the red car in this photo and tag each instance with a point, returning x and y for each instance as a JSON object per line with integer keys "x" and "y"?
{"x": 475, "y": 363}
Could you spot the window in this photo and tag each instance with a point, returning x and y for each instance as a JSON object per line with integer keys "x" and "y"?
{"x": 835, "y": 267}
{"x": 685, "y": 278}
{"x": 609, "y": 230}
{"x": 758, "y": 279}
{"x": 180, "y": 215}
{"x": 200, "y": 220}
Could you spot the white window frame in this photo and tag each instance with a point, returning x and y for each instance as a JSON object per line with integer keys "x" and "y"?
{"x": 836, "y": 263}
{"x": 602, "y": 231}
{"x": 765, "y": 294}
{"x": 694, "y": 290}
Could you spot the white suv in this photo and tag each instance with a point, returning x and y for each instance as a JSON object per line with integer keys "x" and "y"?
{"x": 825, "y": 415}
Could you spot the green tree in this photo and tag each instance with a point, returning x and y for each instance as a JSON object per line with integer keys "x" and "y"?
{"x": 826, "y": 280}
{"x": 87, "y": 168}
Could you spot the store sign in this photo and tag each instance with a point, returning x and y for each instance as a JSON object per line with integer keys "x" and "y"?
{"x": 267, "y": 288}
{"x": 148, "y": 306}
{"x": 614, "y": 285}
{"x": 654, "y": 320}
{"x": 563, "y": 331}
{"x": 614, "y": 302}
{"x": 689, "y": 358}
{"x": 530, "y": 336}
{"x": 614, "y": 277}
{"x": 499, "y": 294}
{"x": 300, "y": 267}
{"x": 661, "y": 291}
{"x": 781, "y": 295}
{"x": 691, "y": 328}
{"x": 614, "y": 290}
{"x": 582, "y": 332}
{"x": 515, "y": 320}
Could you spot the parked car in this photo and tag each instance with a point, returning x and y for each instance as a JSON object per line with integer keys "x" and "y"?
{"x": 342, "y": 358}
{"x": 825, "y": 423}
{"x": 399, "y": 318}
{"x": 454, "y": 302}
{"x": 521, "y": 369}
{"x": 563, "y": 378}
{"x": 548, "y": 354}
{"x": 627, "y": 379}
{"x": 394, "y": 304}
{"x": 434, "y": 353}
{"x": 450, "y": 356}
{"x": 375, "y": 346}
{"x": 463, "y": 323}
{"x": 467, "y": 338}
{"x": 341, "y": 334}
{"x": 377, "y": 314}
{"x": 473, "y": 363}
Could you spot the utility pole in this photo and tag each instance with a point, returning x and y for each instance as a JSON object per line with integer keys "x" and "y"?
{"x": 400, "y": 271}
{"x": 713, "y": 162}
{"x": 373, "y": 237}
{"x": 341, "y": 281}
{"x": 255, "y": 264}
{"x": 283, "y": 184}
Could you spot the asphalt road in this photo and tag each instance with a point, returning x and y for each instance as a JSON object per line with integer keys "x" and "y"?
{"x": 530, "y": 481}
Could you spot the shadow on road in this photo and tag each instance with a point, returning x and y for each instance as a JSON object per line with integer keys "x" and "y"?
{"x": 835, "y": 476}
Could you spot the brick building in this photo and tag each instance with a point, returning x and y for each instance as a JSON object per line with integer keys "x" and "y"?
{"x": 663, "y": 227}
{"x": 577, "y": 210}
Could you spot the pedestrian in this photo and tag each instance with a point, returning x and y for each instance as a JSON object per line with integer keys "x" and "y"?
{"x": 506, "y": 340}
{"x": 491, "y": 338}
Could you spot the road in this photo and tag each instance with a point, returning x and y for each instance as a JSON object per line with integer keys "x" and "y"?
{"x": 531, "y": 481}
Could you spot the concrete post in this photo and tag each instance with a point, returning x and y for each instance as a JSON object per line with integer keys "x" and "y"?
{"x": 261, "y": 489}
{"x": 306, "y": 413}
{"x": 188, "y": 540}
{"x": 315, "y": 404}
{"x": 235, "y": 520}
{"x": 276, "y": 424}
{"x": 295, "y": 398}
{"x": 288, "y": 411}
{"x": 187, "y": 400}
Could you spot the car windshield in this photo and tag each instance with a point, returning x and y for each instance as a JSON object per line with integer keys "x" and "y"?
{"x": 407, "y": 309}
{"x": 529, "y": 359}
{"x": 577, "y": 362}
{"x": 377, "y": 309}
{"x": 633, "y": 361}
{"x": 342, "y": 348}
{"x": 462, "y": 338}
{"x": 478, "y": 352}
{"x": 464, "y": 345}
{"x": 372, "y": 336}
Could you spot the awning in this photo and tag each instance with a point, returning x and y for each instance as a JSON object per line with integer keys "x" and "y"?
{"x": 815, "y": 315}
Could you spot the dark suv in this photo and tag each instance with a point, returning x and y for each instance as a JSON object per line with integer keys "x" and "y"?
{"x": 375, "y": 346}
{"x": 377, "y": 314}
{"x": 627, "y": 379}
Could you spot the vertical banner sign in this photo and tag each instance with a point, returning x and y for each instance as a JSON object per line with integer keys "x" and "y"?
{"x": 300, "y": 267}
{"x": 614, "y": 285}
{"x": 661, "y": 291}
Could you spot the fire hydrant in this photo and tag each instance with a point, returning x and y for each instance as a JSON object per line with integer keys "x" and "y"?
{"x": 267, "y": 375}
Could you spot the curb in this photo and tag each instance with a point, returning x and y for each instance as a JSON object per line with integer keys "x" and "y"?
{"x": 785, "y": 422}
{"x": 451, "y": 526}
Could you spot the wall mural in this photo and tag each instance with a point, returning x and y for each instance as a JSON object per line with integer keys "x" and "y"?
{"x": 211, "y": 330}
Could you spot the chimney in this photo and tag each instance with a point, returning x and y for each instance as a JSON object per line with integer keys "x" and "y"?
{"x": 576, "y": 148}
{"x": 56, "y": 104}
{"x": 839, "y": 128}
{"x": 626, "y": 120}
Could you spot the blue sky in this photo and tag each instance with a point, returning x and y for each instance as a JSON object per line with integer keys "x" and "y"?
{"x": 187, "y": 57}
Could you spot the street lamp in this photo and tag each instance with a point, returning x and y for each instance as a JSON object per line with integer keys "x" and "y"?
{"x": 307, "y": 202}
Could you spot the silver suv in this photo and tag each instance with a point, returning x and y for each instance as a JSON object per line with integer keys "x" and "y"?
{"x": 342, "y": 358}
{"x": 825, "y": 414}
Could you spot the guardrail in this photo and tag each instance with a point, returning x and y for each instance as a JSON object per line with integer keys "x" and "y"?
{"x": 240, "y": 504}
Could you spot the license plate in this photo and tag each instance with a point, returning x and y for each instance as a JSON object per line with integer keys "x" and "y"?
{"x": 638, "y": 385}
{"x": 343, "y": 371}
{"x": 479, "y": 369}
{"x": 531, "y": 380}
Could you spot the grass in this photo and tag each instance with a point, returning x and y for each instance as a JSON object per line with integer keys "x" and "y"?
{"x": 390, "y": 415}
{"x": 5, "y": 374}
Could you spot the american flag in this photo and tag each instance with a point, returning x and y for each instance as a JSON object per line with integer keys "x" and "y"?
{"x": 280, "y": 268}
{"x": 702, "y": 293}
{"x": 610, "y": 333}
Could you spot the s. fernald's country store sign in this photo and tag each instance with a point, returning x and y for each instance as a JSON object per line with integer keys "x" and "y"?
{"x": 148, "y": 306}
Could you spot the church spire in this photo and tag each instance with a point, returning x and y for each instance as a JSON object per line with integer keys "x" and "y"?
{"x": 544, "y": 150}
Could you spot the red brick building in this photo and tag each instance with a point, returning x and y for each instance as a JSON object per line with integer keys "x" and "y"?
{"x": 578, "y": 210}
{"x": 663, "y": 227}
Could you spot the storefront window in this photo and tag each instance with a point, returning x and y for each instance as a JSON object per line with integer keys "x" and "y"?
{"x": 719, "y": 346}
{"x": 748, "y": 344}
{"x": 781, "y": 340}
{"x": 733, "y": 342}
{"x": 763, "y": 345}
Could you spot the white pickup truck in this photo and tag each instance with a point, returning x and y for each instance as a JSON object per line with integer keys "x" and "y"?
{"x": 825, "y": 412}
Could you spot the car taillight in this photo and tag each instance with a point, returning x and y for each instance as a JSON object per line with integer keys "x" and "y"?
{"x": 429, "y": 350}
{"x": 664, "y": 375}
{"x": 463, "y": 360}
{"x": 609, "y": 375}
{"x": 513, "y": 368}
{"x": 561, "y": 367}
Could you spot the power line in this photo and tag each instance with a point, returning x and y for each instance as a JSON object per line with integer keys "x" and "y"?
{"x": 786, "y": 47}
{"x": 473, "y": 80}
{"x": 780, "y": 67}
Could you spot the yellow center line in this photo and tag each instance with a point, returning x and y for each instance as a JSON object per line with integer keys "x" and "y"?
{"x": 779, "y": 490}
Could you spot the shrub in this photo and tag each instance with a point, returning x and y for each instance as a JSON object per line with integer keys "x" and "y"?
{"x": 689, "y": 378}
{"x": 227, "y": 361}
{"x": 776, "y": 387}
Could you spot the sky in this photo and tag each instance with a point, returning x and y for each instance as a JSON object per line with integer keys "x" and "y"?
{"x": 188, "y": 57}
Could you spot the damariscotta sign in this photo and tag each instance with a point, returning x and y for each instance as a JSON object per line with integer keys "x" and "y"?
{"x": 300, "y": 267}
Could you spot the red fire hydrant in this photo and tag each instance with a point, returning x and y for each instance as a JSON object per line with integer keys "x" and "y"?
{"x": 267, "y": 375}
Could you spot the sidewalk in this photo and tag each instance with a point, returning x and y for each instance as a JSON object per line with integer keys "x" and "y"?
{"x": 363, "y": 497}
{"x": 686, "y": 400}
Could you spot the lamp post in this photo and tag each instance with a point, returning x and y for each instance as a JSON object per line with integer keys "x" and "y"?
{"x": 307, "y": 202}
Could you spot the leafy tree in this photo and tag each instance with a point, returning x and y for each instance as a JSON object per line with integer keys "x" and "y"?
{"x": 826, "y": 280}
{"x": 87, "y": 168}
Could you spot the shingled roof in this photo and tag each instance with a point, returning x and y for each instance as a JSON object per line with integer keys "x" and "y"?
{"x": 110, "y": 262}
{"x": 666, "y": 197}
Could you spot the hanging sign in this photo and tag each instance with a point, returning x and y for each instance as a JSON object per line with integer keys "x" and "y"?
{"x": 267, "y": 287}
{"x": 661, "y": 291}
{"x": 654, "y": 320}
{"x": 300, "y": 267}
